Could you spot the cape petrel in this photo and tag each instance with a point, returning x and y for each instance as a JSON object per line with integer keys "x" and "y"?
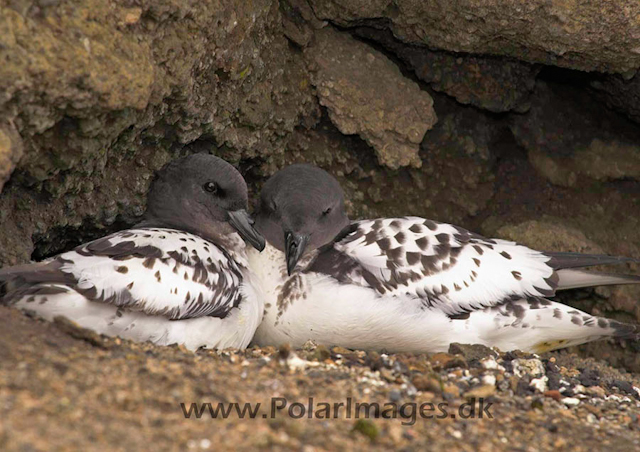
{"x": 181, "y": 276}
{"x": 409, "y": 284}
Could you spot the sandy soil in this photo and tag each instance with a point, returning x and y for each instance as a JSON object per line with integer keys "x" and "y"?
{"x": 63, "y": 388}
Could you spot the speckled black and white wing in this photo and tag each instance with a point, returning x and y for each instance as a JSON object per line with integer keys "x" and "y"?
{"x": 159, "y": 272}
{"x": 444, "y": 265}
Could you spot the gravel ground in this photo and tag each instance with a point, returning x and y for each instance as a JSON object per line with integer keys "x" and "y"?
{"x": 64, "y": 388}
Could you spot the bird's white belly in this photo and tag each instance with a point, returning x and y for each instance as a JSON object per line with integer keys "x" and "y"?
{"x": 319, "y": 308}
{"x": 353, "y": 317}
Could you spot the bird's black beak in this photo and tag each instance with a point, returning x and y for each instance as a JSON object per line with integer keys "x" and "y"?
{"x": 243, "y": 223}
{"x": 294, "y": 246}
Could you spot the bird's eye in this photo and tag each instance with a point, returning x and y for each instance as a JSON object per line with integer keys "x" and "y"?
{"x": 211, "y": 187}
{"x": 327, "y": 211}
{"x": 273, "y": 206}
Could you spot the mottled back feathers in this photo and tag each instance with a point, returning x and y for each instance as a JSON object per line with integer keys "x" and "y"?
{"x": 163, "y": 272}
{"x": 439, "y": 263}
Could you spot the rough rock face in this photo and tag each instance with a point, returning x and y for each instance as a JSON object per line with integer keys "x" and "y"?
{"x": 494, "y": 84}
{"x": 10, "y": 151}
{"x": 455, "y": 111}
{"x": 621, "y": 94}
{"x": 583, "y": 34}
{"x": 365, "y": 93}
{"x": 103, "y": 94}
{"x": 567, "y": 140}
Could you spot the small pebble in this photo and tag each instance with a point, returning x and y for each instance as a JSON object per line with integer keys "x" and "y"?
{"x": 571, "y": 401}
{"x": 394, "y": 395}
{"x": 489, "y": 379}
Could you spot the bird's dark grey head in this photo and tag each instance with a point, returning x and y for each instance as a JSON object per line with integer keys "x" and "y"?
{"x": 202, "y": 194}
{"x": 301, "y": 208}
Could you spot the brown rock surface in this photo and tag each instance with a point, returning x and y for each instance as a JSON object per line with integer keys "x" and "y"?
{"x": 366, "y": 94}
{"x": 493, "y": 84}
{"x": 103, "y": 94}
{"x": 581, "y": 34}
{"x": 566, "y": 139}
{"x": 10, "y": 152}
{"x": 620, "y": 93}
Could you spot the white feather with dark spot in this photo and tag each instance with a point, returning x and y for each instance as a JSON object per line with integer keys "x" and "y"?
{"x": 441, "y": 264}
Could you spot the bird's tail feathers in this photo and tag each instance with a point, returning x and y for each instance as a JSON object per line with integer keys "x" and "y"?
{"x": 42, "y": 278}
{"x": 562, "y": 260}
{"x": 574, "y": 279}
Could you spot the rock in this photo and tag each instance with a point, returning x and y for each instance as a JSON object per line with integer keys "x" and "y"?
{"x": 458, "y": 163}
{"x": 621, "y": 94}
{"x": 604, "y": 147}
{"x": 539, "y": 384}
{"x": 409, "y": 434}
{"x": 309, "y": 346}
{"x": 481, "y": 392}
{"x": 549, "y": 235}
{"x": 597, "y": 412}
{"x": 299, "y": 21}
{"x": 530, "y": 367}
{"x": 374, "y": 361}
{"x": 596, "y": 391}
{"x": 10, "y": 151}
{"x": 425, "y": 383}
{"x": 77, "y": 332}
{"x": 348, "y": 75}
{"x": 537, "y": 404}
{"x": 522, "y": 386}
{"x": 132, "y": 15}
{"x": 457, "y": 177}
{"x": 486, "y": 82}
{"x": 294, "y": 363}
{"x": 451, "y": 390}
{"x": 447, "y": 361}
{"x": 570, "y": 401}
{"x": 601, "y": 36}
{"x": 284, "y": 351}
{"x": 579, "y": 389}
{"x": 341, "y": 351}
{"x": 553, "y": 394}
{"x": 269, "y": 350}
{"x": 100, "y": 104}
{"x": 321, "y": 353}
{"x": 600, "y": 160}
{"x": 387, "y": 375}
{"x": 589, "y": 377}
{"x": 471, "y": 352}
{"x": 395, "y": 396}
{"x": 490, "y": 363}
{"x": 489, "y": 379}
{"x": 626, "y": 387}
